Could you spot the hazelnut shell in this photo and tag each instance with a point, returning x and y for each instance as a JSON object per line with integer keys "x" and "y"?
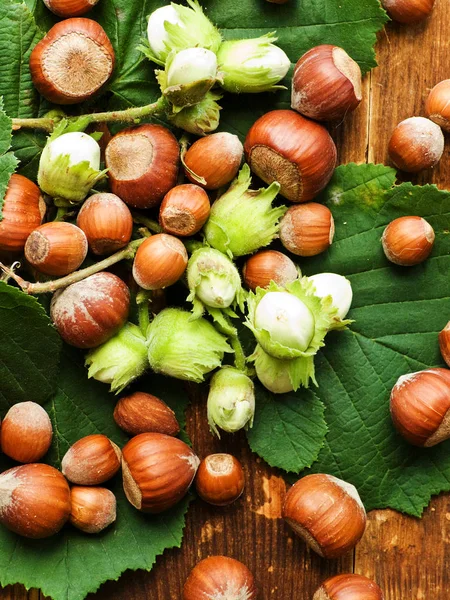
{"x": 106, "y": 222}
{"x": 327, "y": 513}
{"x": 420, "y": 404}
{"x": 299, "y": 153}
{"x": 23, "y": 210}
{"x": 91, "y": 460}
{"x": 26, "y": 432}
{"x": 72, "y": 62}
{"x": 220, "y": 577}
{"x": 34, "y": 500}
{"x": 220, "y": 479}
{"x": 92, "y": 508}
{"x": 143, "y": 164}
{"x": 56, "y": 248}
{"x": 157, "y": 471}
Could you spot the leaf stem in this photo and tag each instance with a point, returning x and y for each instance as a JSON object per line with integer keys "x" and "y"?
{"x": 240, "y": 359}
{"x": 61, "y": 213}
{"x": 149, "y": 223}
{"x": 44, "y": 123}
{"x": 51, "y": 286}
{"x": 6, "y": 275}
{"x": 130, "y": 115}
{"x": 239, "y": 355}
{"x": 143, "y": 300}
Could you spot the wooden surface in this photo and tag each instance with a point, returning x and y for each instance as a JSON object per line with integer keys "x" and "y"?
{"x": 408, "y": 557}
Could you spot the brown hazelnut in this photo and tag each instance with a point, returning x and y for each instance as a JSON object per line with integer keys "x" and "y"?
{"x": 91, "y": 460}
{"x": 145, "y": 413}
{"x": 327, "y": 513}
{"x": 220, "y": 479}
{"x": 26, "y": 432}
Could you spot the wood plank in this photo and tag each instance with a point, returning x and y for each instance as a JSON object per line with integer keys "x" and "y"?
{"x": 412, "y": 60}
{"x": 18, "y": 592}
{"x": 408, "y": 557}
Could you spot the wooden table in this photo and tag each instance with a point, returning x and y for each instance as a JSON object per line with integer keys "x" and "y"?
{"x": 408, "y": 557}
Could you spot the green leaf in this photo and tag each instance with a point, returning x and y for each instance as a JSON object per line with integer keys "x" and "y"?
{"x": 71, "y": 564}
{"x": 44, "y": 18}
{"x": 18, "y": 36}
{"x": 5, "y": 129}
{"x": 288, "y": 431}
{"x": 133, "y": 82}
{"x": 398, "y": 313}
{"x": 8, "y": 164}
{"x": 29, "y": 349}
{"x": 27, "y": 146}
{"x": 299, "y": 26}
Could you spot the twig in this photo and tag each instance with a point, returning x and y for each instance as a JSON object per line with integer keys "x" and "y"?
{"x": 51, "y": 286}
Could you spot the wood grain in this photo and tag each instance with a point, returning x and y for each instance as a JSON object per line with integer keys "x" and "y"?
{"x": 407, "y": 556}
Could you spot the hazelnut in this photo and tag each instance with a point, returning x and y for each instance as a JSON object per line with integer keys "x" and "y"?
{"x": 420, "y": 404}
{"x": 70, "y": 8}
{"x": 437, "y": 106}
{"x": 91, "y": 460}
{"x": 220, "y": 479}
{"x": 23, "y": 210}
{"x": 283, "y": 146}
{"x": 89, "y": 312}
{"x": 327, "y": 513}
{"x": 408, "y": 11}
{"x": 107, "y": 223}
{"x": 416, "y": 144}
{"x": 220, "y": 577}
{"x": 266, "y": 266}
{"x": 93, "y": 508}
{"x": 214, "y": 160}
{"x": 326, "y": 84}
{"x": 26, "y": 432}
{"x": 307, "y": 229}
{"x": 408, "y": 241}
{"x": 159, "y": 262}
{"x": 72, "y": 62}
{"x": 348, "y": 587}
{"x": 56, "y": 248}
{"x": 444, "y": 343}
{"x": 184, "y": 210}
{"x": 143, "y": 164}
{"x": 157, "y": 471}
{"x": 34, "y": 500}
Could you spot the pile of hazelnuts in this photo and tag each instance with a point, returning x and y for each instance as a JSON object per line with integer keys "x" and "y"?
{"x": 157, "y": 468}
{"x": 143, "y": 162}
{"x": 36, "y": 500}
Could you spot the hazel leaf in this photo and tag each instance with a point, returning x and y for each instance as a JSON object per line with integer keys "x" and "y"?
{"x": 29, "y": 350}
{"x": 18, "y": 36}
{"x": 287, "y": 432}
{"x": 8, "y": 162}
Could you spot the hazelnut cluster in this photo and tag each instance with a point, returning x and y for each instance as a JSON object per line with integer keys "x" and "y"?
{"x": 157, "y": 468}
{"x": 37, "y": 500}
{"x": 199, "y": 189}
